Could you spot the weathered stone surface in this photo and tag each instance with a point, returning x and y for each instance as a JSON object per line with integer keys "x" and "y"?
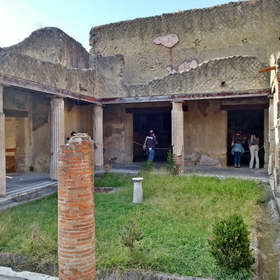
{"x": 141, "y": 275}
{"x": 204, "y": 35}
{"x": 205, "y": 160}
{"x": 239, "y": 74}
{"x": 53, "y": 45}
{"x": 168, "y": 41}
{"x": 109, "y": 75}
{"x": 187, "y": 65}
{"x": 205, "y": 134}
{"x": 118, "y": 135}
{"x": 48, "y": 74}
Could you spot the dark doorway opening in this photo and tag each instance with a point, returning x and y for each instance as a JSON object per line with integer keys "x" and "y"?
{"x": 160, "y": 122}
{"x": 246, "y": 122}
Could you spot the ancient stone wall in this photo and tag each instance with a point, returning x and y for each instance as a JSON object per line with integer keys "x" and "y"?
{"x": 53, "y": 45}
{"x": 78, "y": 118}
{"x": 28, "y": 129}
{"x": 205, "y": 133}
{"x": 241, "y": 28}
{"x": 231, "y": 74}
{"x": 48, "y": 75}
{"x": 118, "y": 135}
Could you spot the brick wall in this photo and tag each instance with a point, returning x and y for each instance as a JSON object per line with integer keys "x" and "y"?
{"x": 76, "y": 221}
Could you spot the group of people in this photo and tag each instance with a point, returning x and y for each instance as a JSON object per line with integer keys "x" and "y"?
{"x": 238, "y": 150}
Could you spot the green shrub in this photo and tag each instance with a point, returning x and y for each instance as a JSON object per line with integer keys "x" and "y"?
{"x": 131, "y": 237}
{"x": 171, "y": 165}
{"x": 147, "y": 166}
{"x": 230, "y": 245}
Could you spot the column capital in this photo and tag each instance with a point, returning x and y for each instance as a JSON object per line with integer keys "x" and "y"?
{"x": 57, "y": 99}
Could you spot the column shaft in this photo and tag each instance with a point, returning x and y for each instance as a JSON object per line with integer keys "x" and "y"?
{"x": 177, "y": 116}
{"x": 57, "y": 133}
{"x": 2, "y": 147}
{"x": 98, "y": 135}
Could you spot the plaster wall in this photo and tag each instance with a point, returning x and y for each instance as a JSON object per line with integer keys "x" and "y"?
{"x": 118, "y": 135}
{"x": 240, "y": 28}
{"x": 205, "y": 134}
{"x": 10, "y": 143}
{"x": 30, "y": 135}
{"x": 78, "y": 118}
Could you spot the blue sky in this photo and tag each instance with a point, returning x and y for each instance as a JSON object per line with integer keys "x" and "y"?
{"x": 18, "y": 18}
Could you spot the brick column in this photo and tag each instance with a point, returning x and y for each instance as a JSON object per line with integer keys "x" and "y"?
{"x": 177, "y": 119}
{"x": 98, "y": 135}
{"x": 57, "y": 133}
{"x": 76, "y": 220}
{"x": 2, "y": 146}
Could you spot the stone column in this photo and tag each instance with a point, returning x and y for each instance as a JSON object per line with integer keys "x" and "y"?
{"x": 57, "y": 133}
{"x": 98, "y": 135}
{"x": 266, "y": 144}
{"x": 177, "y": 120}
{"x": 2, "y": 147}
{"x": 76, "y": 220}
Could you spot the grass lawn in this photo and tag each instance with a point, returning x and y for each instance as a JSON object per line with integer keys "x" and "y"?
{"x": 176, "y": 219}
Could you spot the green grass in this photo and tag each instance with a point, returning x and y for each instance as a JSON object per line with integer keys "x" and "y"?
{"x": 176, "y": 219}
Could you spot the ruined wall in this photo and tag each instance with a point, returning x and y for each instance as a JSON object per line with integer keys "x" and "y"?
{"x": 31, "y": 135}
{"x": 78, "y": 118}
{"x": 41, "y": 133}
{"x": 109, "y": 76}
{"x": 10, "y": 144}
{"x": 231, "y": 74}
{"x": 241, "y": 28}
{"x": 118, "y": 135}
{"x": 47, "y": 74}
{"x": 205, "y": 134}
{"x": 53, "y": 45}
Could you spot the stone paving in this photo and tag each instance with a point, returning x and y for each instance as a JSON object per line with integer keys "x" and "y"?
{"x": 7, "y": 273}
{"x": 23, "y": 188}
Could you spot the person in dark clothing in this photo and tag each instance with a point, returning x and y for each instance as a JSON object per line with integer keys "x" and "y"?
{"x": 150, "y": 145}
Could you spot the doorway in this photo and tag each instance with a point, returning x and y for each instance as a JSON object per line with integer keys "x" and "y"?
{"x": 245, "y": 122}
{"x": 160, "y": 122}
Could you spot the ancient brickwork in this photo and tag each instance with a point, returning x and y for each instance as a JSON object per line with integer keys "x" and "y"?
{"x": 76, "y": 221}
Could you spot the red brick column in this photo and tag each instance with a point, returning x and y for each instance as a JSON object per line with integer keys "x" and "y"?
{"x": 76, "y": 220}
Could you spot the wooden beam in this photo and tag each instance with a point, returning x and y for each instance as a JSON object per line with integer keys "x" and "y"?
{"x": 267, "y": 69}
{"x": 244, "y": 107}
{"x": 12, "y": 81}
{"x": 149, "y": 110}
{"x": 15, "y": 113}
{"x": 186, "y": 97}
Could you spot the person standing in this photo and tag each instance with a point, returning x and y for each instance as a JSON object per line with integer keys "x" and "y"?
{"x": 150, "y": 145}
{"x": 237, "y": 150}
{"x": 254, "y": 150}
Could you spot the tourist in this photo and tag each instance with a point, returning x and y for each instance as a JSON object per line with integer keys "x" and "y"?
{"x": 254, "y": 150}
{"x": 150, "y": 145}
{"x": 237, "y": 150}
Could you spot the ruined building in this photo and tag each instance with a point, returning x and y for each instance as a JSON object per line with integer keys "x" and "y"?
{"x": 192, "y": 76}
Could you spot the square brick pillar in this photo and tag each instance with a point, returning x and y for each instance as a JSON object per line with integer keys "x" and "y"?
{"x": 76, "y": 219}
{"x": 177, "y": 121}
{"x": 57, "y": 133}
{"x": 98, "y": 135}
{"x": 2, "y": 146}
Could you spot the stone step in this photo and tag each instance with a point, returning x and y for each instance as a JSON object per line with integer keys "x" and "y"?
{"x": 27, "y": 194}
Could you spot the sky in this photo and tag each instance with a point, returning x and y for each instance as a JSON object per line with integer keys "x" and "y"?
{"x": 18, "y": 18}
